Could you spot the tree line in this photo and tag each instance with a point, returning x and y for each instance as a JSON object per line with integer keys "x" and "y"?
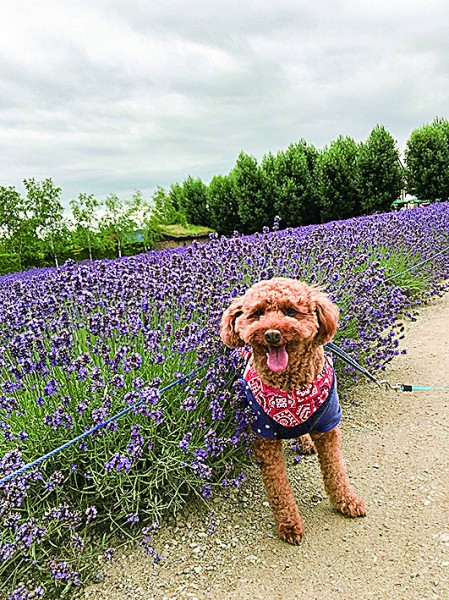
{"x": 301, "y": 184}
{"x": 305, "y": 185}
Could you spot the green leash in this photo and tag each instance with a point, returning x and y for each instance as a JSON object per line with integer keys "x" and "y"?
{"x": 397, "y": 387}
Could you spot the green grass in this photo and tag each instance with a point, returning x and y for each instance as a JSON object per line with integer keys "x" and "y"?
{"x": 185, "y": 230}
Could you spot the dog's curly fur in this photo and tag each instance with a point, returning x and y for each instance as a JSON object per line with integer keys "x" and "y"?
{"x": 306, "y": 319}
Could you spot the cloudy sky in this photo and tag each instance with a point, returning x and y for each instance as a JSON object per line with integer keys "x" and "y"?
{"x": 117, "y": 95}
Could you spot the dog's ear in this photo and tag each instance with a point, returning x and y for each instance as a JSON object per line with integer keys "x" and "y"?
{"x": 327, "y": 315}
{"x": 227, "y": 325}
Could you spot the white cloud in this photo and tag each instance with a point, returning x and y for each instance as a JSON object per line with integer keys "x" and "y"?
{"x": 107, "y": 96}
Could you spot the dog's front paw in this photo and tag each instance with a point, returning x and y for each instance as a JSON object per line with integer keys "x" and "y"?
{"x": 291, "y": 532}
{"x": 351, "y": 506}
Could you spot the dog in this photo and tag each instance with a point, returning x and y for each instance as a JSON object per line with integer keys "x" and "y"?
{"x": 291, "y": 389}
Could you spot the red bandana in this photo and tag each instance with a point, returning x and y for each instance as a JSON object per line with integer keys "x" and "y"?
{"x": 290, "y": 408}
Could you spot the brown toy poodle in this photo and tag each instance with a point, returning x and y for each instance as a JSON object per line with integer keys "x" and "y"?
{"x": 291, "y": 388}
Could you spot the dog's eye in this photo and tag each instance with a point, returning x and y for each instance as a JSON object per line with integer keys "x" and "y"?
{"x": 290, "y": 312}
{"x": 256, "y": 314}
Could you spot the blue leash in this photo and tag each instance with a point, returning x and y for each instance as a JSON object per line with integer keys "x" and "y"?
{"x": 330, "y": 345}
{"x": 423, "y": 262}
{"x": 100, "y": 425}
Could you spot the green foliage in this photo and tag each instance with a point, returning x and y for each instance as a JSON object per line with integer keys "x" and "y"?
{"x": 117, "y": 225}
{"x": 176, "y": 196}
{"x": 255, "y": 207}
{"x": 44, "y": 208}
{"x": 177, "y": 230}
{"x": 300, "y": 184}
{"x": 292, "y": 184}
{"x": 223, "y": 205}
{"x": 17, "y": 231}
{"x": 9, "y": 263}
{"x": 339, "y": 180}
{"x": 427, "y": 159}
{"x": 194, "y": 201}
{"x": 11, "y": 211}
{"x": 165, "y": 212}
{"x": 84, "y": 215}
{"x": 380, "y": 172}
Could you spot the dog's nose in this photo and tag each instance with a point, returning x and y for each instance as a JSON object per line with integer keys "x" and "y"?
{"x": 273, "y": 336}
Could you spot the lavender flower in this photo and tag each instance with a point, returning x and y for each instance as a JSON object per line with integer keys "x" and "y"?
{"x": 24, "y": 593}
{"x": 104, "y": 335}
{"x": 62, "y": 570}
{"x": 184, "y": 443}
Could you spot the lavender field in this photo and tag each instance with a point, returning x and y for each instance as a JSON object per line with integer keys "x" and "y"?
{"x": 81, "y": 342}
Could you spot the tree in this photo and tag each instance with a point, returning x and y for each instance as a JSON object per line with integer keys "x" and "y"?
{"x": 381, "y": 177}
{"x": 138, "y": 211}
{"x": 176, "y": 195}
{"x": 11, "y": 214}
{"x": 339, "y": 180}
{"x": 117, "y": 224}
{"x": 223, "y": 206}
{"x": 17, "y": 232}
{"x": 312, "y": 206}
{"x": 292, "y": 184}
{"x": 427, "y": 160}
{"x": 85, "y": 219}
{"x": 165, "y": 211}
{"x": 255, "y": 207}
{"x": 57, "y": 241}
{"x": 194, "y": 201}
{"x": 43, "y": 206}
{"x": 28, "y": 245}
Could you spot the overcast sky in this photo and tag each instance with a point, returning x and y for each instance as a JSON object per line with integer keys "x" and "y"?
{"x": 118, "y": 95}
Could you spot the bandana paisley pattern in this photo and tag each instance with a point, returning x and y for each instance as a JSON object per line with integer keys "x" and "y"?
{"x": 293, "y": 407}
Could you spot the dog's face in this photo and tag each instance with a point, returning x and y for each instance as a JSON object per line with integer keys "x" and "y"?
{"x": 277, "y": 318}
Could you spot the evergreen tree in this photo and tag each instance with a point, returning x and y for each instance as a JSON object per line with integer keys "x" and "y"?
{"x": 194, "y": 201}
{"x": 381, "y": 177}
{"x": 427, "y": 160}
{"x": 255, "y": 207}
{"x": 292, "y": 184}
{"x": 176, "y": 196}
{"x": 339, "y": 180}
{"x": 223, "y": 207}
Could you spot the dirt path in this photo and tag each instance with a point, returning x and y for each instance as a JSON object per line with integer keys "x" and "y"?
{"x": 397, "y": 452}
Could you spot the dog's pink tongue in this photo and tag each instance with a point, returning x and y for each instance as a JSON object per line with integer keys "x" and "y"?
{"x": 277, "y": 358}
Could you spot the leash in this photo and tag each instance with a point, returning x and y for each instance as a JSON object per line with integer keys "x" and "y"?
{"x": 423, "y": 262}
{"x": 103, "y": 424}
{"x": 330, "y": 346}
{"x": 383, "y": 383}
{"x": 398, "y": 387}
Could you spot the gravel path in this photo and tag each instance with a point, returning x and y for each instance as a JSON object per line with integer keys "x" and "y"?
{"x": 396, "y": 447}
